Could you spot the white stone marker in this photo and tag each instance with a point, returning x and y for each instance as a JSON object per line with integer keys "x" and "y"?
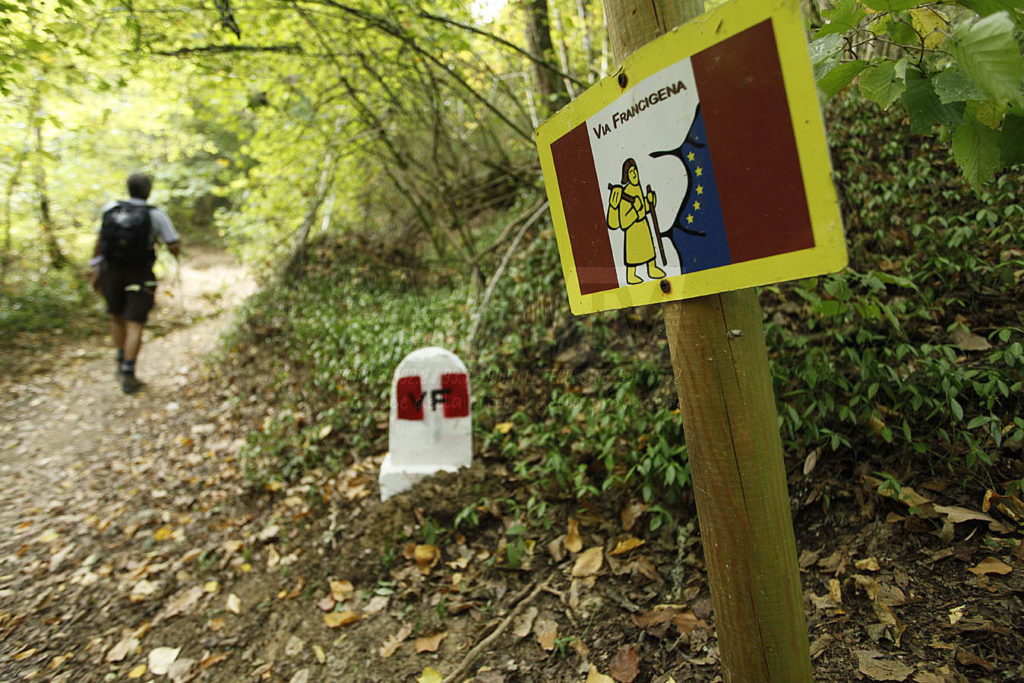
{"x": 431, "y": 426}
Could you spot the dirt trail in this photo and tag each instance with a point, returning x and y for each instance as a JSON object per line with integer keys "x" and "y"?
{"x": 70, "y": 439}
{"x": 78, "y": 407}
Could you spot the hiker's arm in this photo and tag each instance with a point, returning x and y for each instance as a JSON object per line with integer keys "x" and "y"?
{"x": 94, "y": 266}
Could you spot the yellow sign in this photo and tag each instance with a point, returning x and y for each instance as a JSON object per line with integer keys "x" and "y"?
{"x": 700, "y": 167}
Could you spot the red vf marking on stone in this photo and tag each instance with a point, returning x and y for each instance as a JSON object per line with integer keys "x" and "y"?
{"x": 456, "y": 387}
{"x": 410, "y": 395}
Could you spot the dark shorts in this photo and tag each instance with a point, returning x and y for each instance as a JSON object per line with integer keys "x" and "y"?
{"x": 129, "y": 291}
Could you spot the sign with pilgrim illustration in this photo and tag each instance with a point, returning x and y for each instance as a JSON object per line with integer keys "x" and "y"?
{"x": 700, "y": 167}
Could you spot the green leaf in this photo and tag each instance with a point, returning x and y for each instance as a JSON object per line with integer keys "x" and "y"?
{"x": 987, "y": 52}
{"x": 1011, "y": 140}
{"x": 891, "y": 5}
{"x": 987, "y": 7}
{"x": 902, "y": 31}
{"x": 880, "y": 84}
{"x": 991, "y": 113}
{"x": 976, "y": 150}
{"x": 953, "y": 85}
{"x": 827, "y": 47}
{"x": 925, "y": 107}
{"x": 840, "y": 77}
{"x": 841, "y": 18}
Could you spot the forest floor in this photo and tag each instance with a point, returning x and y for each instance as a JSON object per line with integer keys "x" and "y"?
{"x": 132, "y": 547}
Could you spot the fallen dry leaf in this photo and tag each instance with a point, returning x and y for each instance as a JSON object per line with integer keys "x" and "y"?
{"x": 968, "y": 658}
{"x": 647, "y": 569}
{"x": 811, "y": 461}
{"x": 573, "y": 541}
{"x": 161, "y": 658}
{"x": 990, "y": 565}
{"x": 868, "y": 565}
{"x": 182, "y": 602}
{"x": 504, "y": 427}
{"x": 124, "y": 648}
{"x": 882, "y": 669}
{"x": 341, "y": 590}
{"x": 429, "y": 643}
{"x": 624, "y": 546}
{"x": 319, "y": 653}
{"x": 523, "y": 624}
{"x": 430, "y": 675}
{"x": 546, "y": 631}
{"x": 142, "y": 590}
{"x": 233, "y": 604}
{"x": 390, "y": 645}
{"x": 630, "y": 514}
{"x": 557, "y": 549}
{"x": 595, "y": 676}
{"x": 835, "y": 591}
{"x": 326, "y": 603}
{"x": 958, "y": 515}
{"x": 624, "y": 666}
{"x": 296, "y": 590}
{"x": 426, "y": 557}
{"x": 294, "y": 646}
{"x": 965, "y": 340}
{"x": 336, "y": 619}
{"x": 588, "y": 563}
{"x": 656, "y": 622}
{"x": 212, "y": 660}
{"x": 137, "y": 672}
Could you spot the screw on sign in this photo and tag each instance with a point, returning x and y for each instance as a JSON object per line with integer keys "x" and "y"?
{"x": 430, "y": 427}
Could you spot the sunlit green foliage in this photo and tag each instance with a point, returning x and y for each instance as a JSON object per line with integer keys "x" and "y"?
{"x": 957, "y": 67}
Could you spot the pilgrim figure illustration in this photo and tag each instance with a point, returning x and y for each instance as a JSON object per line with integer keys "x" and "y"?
{"x": 631, "y": 210}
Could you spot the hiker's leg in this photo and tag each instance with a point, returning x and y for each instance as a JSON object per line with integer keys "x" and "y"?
{"x": 117, "y": 331}
{"x": 132, "y": 340}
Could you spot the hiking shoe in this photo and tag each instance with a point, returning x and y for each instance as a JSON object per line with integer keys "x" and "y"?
{"x": 129, "y": 383}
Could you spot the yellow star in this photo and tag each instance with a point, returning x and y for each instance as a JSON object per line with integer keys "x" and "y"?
{"x": 700, "y": 171}
{"x": 700, "y": 189}
{"x": 696, "y": 206}
{"x": 689, "y": 218}
{"x": 690, "y": 156}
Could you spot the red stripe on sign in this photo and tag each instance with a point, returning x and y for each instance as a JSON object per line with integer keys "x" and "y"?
{"x": 753, "y": 148}
{"x": 409, "y": 393}
{"x": 584, "y": 211}
{"x": 456, "y": 401}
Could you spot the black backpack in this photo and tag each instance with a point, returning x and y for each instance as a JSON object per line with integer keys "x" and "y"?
{"x": 124, "y": 235}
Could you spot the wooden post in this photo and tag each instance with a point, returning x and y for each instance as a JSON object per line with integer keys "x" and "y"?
{"x": 728, "y": 409}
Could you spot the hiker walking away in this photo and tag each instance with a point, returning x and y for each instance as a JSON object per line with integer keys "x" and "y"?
{"x": 123, "y": 269}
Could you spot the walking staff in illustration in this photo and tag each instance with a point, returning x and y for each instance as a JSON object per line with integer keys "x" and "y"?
{"x": 628, "y": 209}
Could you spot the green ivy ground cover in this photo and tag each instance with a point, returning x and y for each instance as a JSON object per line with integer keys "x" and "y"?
{"x": 912, "y": 360}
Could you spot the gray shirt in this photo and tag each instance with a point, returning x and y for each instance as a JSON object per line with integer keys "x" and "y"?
{"x": 161, "y": 228}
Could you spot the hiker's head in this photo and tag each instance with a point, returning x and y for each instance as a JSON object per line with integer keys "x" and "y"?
{"x": 140, "y": 185}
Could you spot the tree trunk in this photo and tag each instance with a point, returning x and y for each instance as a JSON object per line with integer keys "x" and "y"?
{"x": 550, "y": 88}
{"x": 12, "y": 183}
{"x": 563, "y": 52}
{"x": 57, "y": 258}
{"x": 727, "y": 407}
